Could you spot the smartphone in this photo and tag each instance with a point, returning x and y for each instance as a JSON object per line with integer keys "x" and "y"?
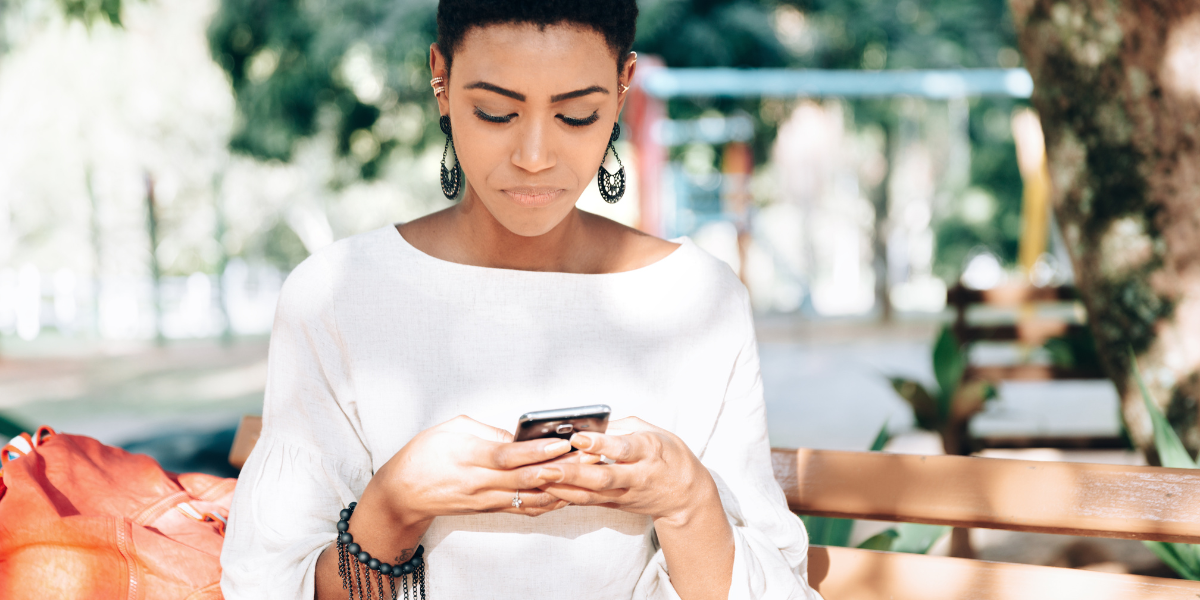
{"x": 562, "y": 422}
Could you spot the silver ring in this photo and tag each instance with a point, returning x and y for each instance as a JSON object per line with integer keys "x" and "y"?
{"x": 516, "y": 503}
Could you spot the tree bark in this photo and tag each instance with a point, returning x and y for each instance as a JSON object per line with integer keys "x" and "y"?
{"x": 1117, "y": 88}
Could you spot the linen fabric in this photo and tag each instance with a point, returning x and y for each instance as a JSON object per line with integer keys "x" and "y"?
{"x": 375, "y": 341}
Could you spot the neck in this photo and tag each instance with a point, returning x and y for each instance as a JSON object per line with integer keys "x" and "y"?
{"x": 488, "y": 243}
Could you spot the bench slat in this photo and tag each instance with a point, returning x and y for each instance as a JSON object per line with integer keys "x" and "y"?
{"x": 1028, "y": 373}
{"x": 852, "y": 574}
{"x": 1145, "y": 503}
{"x": 1010, "y": 295}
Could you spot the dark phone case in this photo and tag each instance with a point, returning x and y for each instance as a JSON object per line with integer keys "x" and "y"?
{"x": 562, "y": 423}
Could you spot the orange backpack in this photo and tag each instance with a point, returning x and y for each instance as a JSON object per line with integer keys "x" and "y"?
{"x": 79, "y": 519}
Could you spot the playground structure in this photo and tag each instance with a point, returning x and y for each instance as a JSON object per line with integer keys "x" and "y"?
{"x": 671, "y": 203}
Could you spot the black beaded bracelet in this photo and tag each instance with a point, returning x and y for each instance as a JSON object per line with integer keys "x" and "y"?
{"x": 351, "y": 559}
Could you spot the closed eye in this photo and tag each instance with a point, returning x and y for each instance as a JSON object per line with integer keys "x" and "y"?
{"x": 493, "y": 118}
{"x": 580, "y": 122}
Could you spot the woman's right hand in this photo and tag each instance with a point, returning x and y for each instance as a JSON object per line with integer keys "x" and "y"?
{"x": 457, "y": 468}
{"x": 464, "y": 467}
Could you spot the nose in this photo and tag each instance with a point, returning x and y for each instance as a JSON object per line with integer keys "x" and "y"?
{"x": 533, "y": 152}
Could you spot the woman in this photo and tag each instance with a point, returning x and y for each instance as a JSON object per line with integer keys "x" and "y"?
{"x": 511, "y": 301}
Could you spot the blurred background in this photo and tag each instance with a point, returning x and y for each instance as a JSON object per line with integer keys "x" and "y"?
{"x": 872, "y": 170}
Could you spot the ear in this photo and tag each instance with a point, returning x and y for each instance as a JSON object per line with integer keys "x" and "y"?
{"x": 439, "y": 68}
{"x": 626, "y": 78}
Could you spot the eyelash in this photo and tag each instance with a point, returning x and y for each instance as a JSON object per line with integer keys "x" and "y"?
{"x": 595, "y": 116}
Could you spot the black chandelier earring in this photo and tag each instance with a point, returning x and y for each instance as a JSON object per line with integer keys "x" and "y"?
{"x": 612, "y": 185}
{"x": 452, "y": 178}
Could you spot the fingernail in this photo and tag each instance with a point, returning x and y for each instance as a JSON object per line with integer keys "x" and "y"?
{"x": 583, "y": 442}
{"x": 558, "y": 447}
{"x": 551, "y": 474}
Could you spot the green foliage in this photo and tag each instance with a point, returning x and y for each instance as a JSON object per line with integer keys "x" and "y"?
{"x": 91, "y": 11}
{"x": 358, "y": 66}
{"x": 1171, "y": 450}
{"x": 918, "y": 538}
{"x": 880, "y": 541}
{"x": 1184, "y": 559}
{"x": 910, "y": 538}
{"x": 952, "y": 402}
{"x": 913, "y": 34}
{"x": 994, "y": 174}
{"x": 1077, "y": 349}
{"x": 949, "y": 363}
{"x": 826, "y": 531}
{"x": 707, "y": 33}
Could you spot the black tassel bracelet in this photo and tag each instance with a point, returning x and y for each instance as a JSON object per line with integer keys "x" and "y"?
{"x": 355, "y": 565}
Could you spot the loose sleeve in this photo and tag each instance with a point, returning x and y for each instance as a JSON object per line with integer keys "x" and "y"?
{"x": 310, "y": 461}
{"x": 770, "y": 544}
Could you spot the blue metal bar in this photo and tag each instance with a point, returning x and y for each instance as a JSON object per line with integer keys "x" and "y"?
{"x": 789, "y": 83}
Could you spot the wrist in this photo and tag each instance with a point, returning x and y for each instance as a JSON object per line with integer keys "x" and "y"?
{"x": 392, "y": 513}
{"x": 703, "y": 507}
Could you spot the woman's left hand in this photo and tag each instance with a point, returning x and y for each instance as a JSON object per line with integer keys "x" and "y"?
{"x": 654, "y": 473}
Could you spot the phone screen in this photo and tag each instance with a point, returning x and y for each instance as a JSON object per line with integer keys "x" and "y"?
{"x": 562, "y": 422}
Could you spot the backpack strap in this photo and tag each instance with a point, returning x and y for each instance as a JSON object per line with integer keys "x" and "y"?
{"x": 23, "y": 444}
{"x": 218, "y": 521}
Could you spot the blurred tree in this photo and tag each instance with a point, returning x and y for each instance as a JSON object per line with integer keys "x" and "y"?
{"x": 89, "y": 12}
{"x": 357, "y": 68}
{"x": 1118, "y": 92}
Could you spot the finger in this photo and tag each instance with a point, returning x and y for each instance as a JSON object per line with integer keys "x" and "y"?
{"x": 519, "y": 454}
{"x": 465, "y": 424}
{"x": 573, "y": 457}
{"x": 590, "y": 477}
{"x": 583, "y": 497}
{"x": 500, "y": 500}
{"x": 621, "y": 448}
{"x": 521, "y": 478}
{"x": 587, "y": 458}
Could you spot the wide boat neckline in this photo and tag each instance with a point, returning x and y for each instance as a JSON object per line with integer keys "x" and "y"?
{"x": 683, "y": 241}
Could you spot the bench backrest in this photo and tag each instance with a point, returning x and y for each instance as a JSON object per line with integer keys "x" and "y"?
{"x": 1144, "y": 503}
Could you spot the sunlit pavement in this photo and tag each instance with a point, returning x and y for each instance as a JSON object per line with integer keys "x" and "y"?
{"x": 825, "y": 386}
{"x": 168, "y": 401}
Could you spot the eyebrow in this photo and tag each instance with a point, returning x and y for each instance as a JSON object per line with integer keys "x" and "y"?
{"x": 483, "y": 85}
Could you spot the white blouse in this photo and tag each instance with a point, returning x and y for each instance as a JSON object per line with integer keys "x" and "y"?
{"x": 375, "y": 341}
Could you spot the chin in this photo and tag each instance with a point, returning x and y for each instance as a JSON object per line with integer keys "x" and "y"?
{"x": 532, "y": 222}
{"x": 532, "y": 225}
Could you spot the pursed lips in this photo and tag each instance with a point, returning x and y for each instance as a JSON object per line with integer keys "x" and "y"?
{"x": 533, "y": 197}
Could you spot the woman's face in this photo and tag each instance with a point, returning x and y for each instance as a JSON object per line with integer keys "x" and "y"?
{"x": 531, "y": 112}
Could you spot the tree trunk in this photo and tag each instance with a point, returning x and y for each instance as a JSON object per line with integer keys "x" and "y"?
{"x": 1117, "y": 87}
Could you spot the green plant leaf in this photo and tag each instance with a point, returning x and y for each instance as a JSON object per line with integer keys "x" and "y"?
{"x": 880, "y": 541}
{"x": 881, "y": 438}
{"x": 1171, "y": 450}
{"x": 949, "y": 362}
{"x": 918, "y": 538}
{"x": 10, "y": 428}
{"x": 1180, "y": 557}
{"x": 826, "y": 531}
{"x": 925, "y": 407}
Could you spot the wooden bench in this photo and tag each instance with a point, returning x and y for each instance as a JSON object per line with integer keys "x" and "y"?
{"x": 1027, "y": 329}
{"x": 1142, "y": 503}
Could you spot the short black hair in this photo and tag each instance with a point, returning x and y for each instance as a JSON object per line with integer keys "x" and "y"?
{"x": 616, "y": 20}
